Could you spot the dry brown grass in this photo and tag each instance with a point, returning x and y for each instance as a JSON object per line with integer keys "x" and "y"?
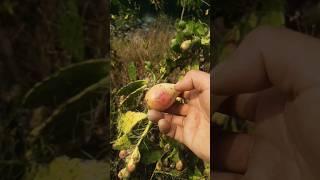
{"x": 141, "y": 46}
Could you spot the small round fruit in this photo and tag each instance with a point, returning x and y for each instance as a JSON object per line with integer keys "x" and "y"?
{"x": 159, "y": 166}
{"x": 161, "y": 96}
{"x": 136, "y": 155}
{"x": 123, "y": 154}
{"x": 131, "y": 166}
{"x": 123, "y": 174}
{"x": 167, "y": 147}
{"x": 185, "y": 45}
{"x": 179, "y": 165}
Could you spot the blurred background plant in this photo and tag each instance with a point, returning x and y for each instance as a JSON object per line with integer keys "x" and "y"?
{"x": 158, "y": 42}
{"x": 233, "y": 21}
{"x": 61, "y": 46}
{"x": 57, "y": 44}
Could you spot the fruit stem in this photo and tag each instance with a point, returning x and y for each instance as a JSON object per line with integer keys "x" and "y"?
{"x": 145, "y": 132}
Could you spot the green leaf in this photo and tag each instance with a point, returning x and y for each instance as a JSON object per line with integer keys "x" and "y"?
{"x": 180, "y": 38}
{"x": 181, "y": 24}
{"x": 150, "y": 156}
{"x": 205, "y": 40}
{"x": 70, "y": 29}
{"x": 195, "y": 177}
{"x": 175, "y": 45}
{"x": 131, "y": 87}
{"x": 66, "y": 83}
{"x": 122, "y": 142}
{"x": 132, "y": 71}
{"x": 189, "y": 30}
{"x": 201, "y": 29}
{"x": 197, "y": 172}
{"x": 128, "y": 120}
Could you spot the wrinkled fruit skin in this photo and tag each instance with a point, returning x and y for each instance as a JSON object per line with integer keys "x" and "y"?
{"x": 161, "y": 96}
{"x": 123, "y": 174}
{"x": 136, "y": 156}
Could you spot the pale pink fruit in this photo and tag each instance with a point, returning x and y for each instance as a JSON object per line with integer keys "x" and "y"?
{"x": 131, "y": 166}
{"x": 161, "y": 96}
{"x": 123, "y": 154}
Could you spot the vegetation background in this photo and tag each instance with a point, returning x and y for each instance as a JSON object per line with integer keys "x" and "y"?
{"x": 153, "y": 42}
{"x": 61, "y": 120}
{"x": 58, "y": 128}
{"x": 233, "y": 21}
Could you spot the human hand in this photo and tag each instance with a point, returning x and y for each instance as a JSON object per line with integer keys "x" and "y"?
{"x": 189, "y": 123}
{"x": 271, "y": 80}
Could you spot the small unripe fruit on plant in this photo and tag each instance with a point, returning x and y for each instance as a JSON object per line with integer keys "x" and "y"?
{"x": 185, "y": 45}
{"x": 123, "y": 174}
{"x": 123, "y": 154}
{"x": 159, "y": 166}
{"x": 131, "y": 166}
{"x": 167, "y": 147}
{"x": 161, "y": 96}
{"x": 179, "y": 165}
{"x": 135, "y": 155}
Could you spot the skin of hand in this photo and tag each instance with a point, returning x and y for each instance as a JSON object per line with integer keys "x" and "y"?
{"x": 271, "y": 80}
{"x": 189, "y": 123}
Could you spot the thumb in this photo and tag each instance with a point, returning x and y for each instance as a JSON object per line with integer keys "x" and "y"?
{"x": 269, "y": 57}
{"x": 243, "y": 72}
{"x": 198, "y": 80}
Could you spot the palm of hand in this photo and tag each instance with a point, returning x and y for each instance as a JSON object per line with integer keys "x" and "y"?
{"x": 273, "y": 155}
{"x": 196, "y": 126}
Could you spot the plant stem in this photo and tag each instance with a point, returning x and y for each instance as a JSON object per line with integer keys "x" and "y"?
{"x": 145, "y": 132}
{"x": 205, "y": 3}
{"x": 182, "y": 13}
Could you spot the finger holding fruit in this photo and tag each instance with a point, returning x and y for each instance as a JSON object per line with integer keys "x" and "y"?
{"x": 187, "y": 123}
